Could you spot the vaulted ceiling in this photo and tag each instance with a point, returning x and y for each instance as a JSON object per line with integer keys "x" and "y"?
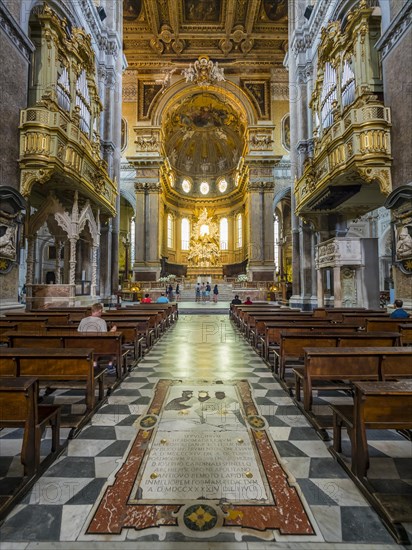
{"x": 203, "y": 129}
{"x": 245, "y": 36}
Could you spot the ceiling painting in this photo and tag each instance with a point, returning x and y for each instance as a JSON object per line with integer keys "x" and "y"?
{"x": 204, "y": 138}
{"x": 202, "y": 11}
{"x": 275, "y": 10}
{"x": 131, "y": 9}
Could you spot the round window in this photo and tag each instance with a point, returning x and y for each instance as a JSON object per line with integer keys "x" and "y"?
{"x": 186, "y": 186}
{"x": 204, "y": 188}
{"x": 222, "y": 185}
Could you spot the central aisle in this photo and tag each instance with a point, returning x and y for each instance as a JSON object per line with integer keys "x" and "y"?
{"x": 199, "y": 358}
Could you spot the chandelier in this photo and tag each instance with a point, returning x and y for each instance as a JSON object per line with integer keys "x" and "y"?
{"x": 203, "y": 72}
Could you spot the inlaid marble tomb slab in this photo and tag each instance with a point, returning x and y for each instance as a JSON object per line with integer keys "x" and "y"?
{"x": 203, "y": 463}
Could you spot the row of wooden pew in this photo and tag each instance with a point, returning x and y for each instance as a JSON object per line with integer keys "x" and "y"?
{"x": 364, "y": 354}
{"x": 43, "y": 350}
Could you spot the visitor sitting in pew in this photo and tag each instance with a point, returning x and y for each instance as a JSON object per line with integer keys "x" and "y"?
{"x": 248, "y": 301}
{"x": 146, "y": 299}
{"x": 399, "y": 312}
{"x": 236, "y": 300}
{"x": 162, "y": 299}
{"x": 94, "y": 323}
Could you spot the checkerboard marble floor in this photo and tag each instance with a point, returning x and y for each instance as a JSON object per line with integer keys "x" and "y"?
{"x": 202, "y": 347}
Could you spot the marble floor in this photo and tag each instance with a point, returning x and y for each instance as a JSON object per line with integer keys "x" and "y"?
{"x": 198, "y": 349}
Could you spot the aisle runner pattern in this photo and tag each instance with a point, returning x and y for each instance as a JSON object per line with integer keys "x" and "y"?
{"x": 202, "y": 463}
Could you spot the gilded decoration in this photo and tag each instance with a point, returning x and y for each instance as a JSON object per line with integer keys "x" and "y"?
{"x": 352, "y": 147}
{"x": 203, "y": 137}
{"x": 204, "y": 250}
{"x": 59, "y": 136}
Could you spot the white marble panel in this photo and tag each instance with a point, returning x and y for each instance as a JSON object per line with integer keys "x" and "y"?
{"x": 329, "y": 521}
{"x": 297, "y": 466}
{"x": 312, "y": 448}
{"x": 107, "y": 419}
{"x": 87, "y": 447}
{"x": 54, "y": 490}
{"x": 209, "y": 464}
{"x": 280, "y": 433}
{"x": 105, "y": 465}
{"x": 73, "y": 519}
{"x": 395, "y": 449}
{"x": 343, "y": 491}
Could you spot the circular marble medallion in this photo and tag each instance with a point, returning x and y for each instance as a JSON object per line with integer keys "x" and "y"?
{"x": 148, "y": 421}
{"x": 200, "y": 517}
{"x": 256, "y": 422}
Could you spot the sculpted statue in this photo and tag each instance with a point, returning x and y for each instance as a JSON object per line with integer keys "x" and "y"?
{"x": 7, "y": 241}
{"x": 404, "y": 244}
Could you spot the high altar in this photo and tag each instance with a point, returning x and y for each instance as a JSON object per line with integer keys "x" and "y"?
{"x": 204, "y": 250}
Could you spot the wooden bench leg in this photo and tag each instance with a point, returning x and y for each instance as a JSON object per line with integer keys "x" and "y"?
{"x": 297, "y": 387}
{"x": 337, "y": 433}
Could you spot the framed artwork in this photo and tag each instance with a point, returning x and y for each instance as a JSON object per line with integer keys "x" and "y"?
{"x": 286, "y": 132}
{"x": 275, "y": 9}
{"x": 147, "y": 92}
{"x": 207, "y": 11}
{"x": 131, "y": 9}
{"x": 123, "y": 134}
{"x": 258, "y": 90}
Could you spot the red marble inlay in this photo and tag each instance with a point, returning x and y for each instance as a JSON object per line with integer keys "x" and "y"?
{"x": 287, "y": 514}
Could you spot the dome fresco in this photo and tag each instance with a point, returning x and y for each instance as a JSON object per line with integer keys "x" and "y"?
{"x": 204, "y": 140}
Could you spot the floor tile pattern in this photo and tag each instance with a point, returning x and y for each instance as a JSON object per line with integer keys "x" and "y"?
{"x": 58, "y": 508}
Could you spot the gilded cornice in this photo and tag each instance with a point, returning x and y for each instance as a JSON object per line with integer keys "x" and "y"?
{"x": 14, "y": 32}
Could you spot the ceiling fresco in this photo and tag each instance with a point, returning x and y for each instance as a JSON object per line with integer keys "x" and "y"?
{"x": 203, "y": 136}
{"x": 204, "y": 139}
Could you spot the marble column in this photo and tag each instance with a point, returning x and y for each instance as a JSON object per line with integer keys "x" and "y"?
{"x": 59, "y": 248}
{"x": 140, "y": 228}
{"x": 337, "y": 287}
{"x": 72, "y": 269}
{"x": 93, "y": 286}
{"x": 320, "y": 292}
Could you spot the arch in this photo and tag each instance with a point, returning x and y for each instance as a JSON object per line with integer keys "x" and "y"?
{"x": 27, "y": 7}
{"x": 87, "y": 216}
{"x": 50, "y": 206}
{"x": 281, "y": 194}
{"x": 181, "y": 90}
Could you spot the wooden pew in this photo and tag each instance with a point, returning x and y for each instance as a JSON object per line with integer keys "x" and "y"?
{"x": 377, "y": 405}
{"x": 374, "y": 324}
{"x": 32, "y": 324}
{"x": 6, "y": 327}
{"x": 60, "y": 368}
{"x": 19, "y": 408}
{"x": 103, "y": 344}
{"x": 134, "y": 333}
{"x": 270, "y": 338}
{"x": 406, "y": 334}
{"x": 349, "y": 364}
{"x": 292, "y": 345}
{"x": 156, "y": 320}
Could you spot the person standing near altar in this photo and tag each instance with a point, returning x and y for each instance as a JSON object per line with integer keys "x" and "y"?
{"x": 215, "y": 294}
